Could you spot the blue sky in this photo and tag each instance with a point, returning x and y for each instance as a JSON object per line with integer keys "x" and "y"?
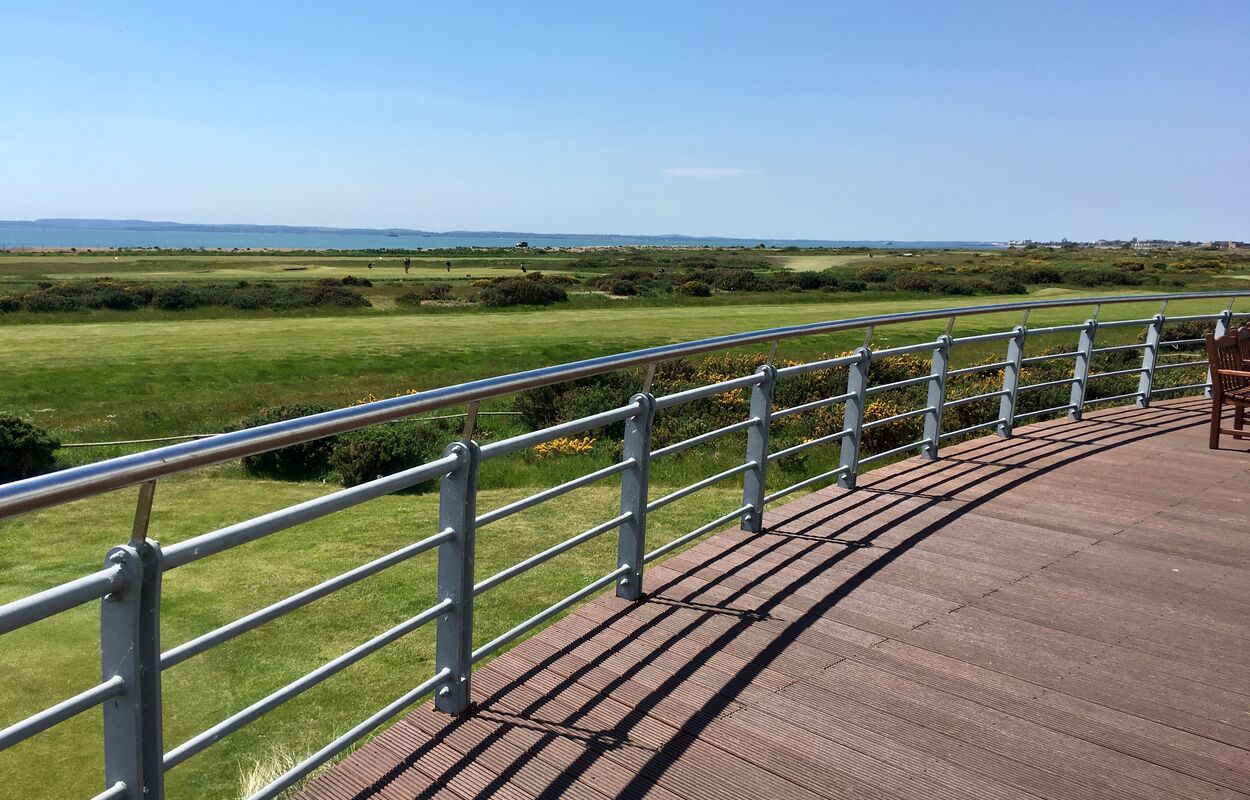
{"x": 831, "y": 120}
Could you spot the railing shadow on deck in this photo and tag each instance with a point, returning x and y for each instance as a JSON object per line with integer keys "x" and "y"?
{"x": 1063, "y": 442}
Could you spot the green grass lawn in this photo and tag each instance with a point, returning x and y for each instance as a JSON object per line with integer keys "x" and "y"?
{"x": 58, "y": 657}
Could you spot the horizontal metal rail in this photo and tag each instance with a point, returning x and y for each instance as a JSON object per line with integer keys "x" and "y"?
{"x": 527, "y": 440}
{"x": 816, "y": 366}
{"x": 1052, "y": 329}
{"x": 703, "y": 438}
{"x": 803, "y": 484}
{"x": 686, "y": 491}
{"x": 549, "y": 612}
{"x": 963, "y": 401}
{"x": 41, "y": 605}
{"x": 1042, "y": 411}
{"x": 1195, "y": 317}
{"x": 1116, "y": 373}
{"x": 724, "y": 519}
{"x": 877, "y": 423}
{"x": 115, "y": 792}
{"x": 257, "y": 618}
{"x": 208, "y": 544}
{"x": 1185, "y": 388}
{"x": 893, "y": 451}
{"x": 298, "y": 686}
{"x": 66, "y": 709}
{"x": 801, "y": 446}
{"x": 886, "y": 387}
{"x": 971, "y": 429}
{"x": 554, "y": 491}
{"x": 1181, "y": 342}
{"x": 1047, "y": 384}
{"x": 1181, "y": 365}
{"x": 825, "y": 403}
{"x": 902, "y": 350}
{"x": 1049, "y": 357}
{"x": 701, "y": 392}
{"x": 985, "y": 337}
{"x": 1119, "y": 348}
{"x": 978, "y": 368}
{"x": 305, "y": 767}
{"x": 1114, "y": 398}
{"x": 549, "y": 553}
{"x": 1124, "y": 323}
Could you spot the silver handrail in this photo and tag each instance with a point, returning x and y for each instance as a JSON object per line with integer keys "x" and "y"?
{"x": 91, "y": 479}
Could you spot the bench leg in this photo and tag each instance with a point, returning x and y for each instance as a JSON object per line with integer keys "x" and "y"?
{"x": 1215, "y": 424}
{"x": 1239, "y": 421}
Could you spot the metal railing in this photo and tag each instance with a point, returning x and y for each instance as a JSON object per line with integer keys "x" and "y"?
{"x": 129, "y": 584}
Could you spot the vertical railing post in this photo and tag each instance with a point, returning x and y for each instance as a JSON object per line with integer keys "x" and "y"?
{"x": 130, "y": 648}
{"x": 457, "y": 510}
{"x": 1011, "y": 382}
{"x": 1222, "y": 326}
{"x": 1149, "y": 358}
{"x": 1080, "y": 372}
{"x": 757, "y": 449}
{"x": 631, "y": 536}
{"x": 937, "y": 398}
{"x": 853, "y": 417}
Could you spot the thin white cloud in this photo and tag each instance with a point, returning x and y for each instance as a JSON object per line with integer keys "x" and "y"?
{"x": 709, "y": 172}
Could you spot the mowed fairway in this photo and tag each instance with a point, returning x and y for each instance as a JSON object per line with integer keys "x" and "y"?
{"x": 159, "y": 378}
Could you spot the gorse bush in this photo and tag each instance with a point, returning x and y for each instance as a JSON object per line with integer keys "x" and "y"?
{"x": 307, "y": 461}
{"x": 532, "y": 290}
{"x": 26, "y": 449}
{"x": 106, "y": 293}
{"x": 391, "y": 447}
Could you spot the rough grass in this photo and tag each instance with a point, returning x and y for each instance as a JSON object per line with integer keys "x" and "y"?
{"x": 60, "y": 656}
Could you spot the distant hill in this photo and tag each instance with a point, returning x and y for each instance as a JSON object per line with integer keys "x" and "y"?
{"x": 149, "y": 225}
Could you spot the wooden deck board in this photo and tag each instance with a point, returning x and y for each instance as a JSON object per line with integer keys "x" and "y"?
{"x": 1058, "y": 615}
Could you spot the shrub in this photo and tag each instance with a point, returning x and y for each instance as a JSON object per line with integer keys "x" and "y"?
{"x": 622, "y": 288}
{"x": 695, "y": 289}
{"x": 25, "y": 449}
{"x": 9, "y": 303}
{"x": 532, "y": 291}
{"x": 46, "y": 301}
{"x": 1002, "y": 283}
{"x": 872, "y": 273}
{"x": 385, "y": 449}
{"x": 351, "y": 280}
{"x": 297, "y": 462}
{"x": 174, "y": 298}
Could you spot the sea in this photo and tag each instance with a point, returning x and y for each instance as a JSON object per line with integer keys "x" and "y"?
{"x": 26, "y": 236}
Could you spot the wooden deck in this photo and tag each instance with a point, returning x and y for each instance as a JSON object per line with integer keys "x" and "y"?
{"x": 1065, "y": 614}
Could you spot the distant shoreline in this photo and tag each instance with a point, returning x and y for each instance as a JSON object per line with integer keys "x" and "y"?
{"x": 51, "y": 235}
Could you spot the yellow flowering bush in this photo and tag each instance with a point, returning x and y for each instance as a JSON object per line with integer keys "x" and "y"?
{"x": 565, "y": 446}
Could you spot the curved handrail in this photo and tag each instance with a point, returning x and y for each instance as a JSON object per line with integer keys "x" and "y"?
{"x": 90, "y": 479}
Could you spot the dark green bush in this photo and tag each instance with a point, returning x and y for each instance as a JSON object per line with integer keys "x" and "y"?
{"x": 367, "y": 454}
{"x": 26, "y": 449}
{"x": 622, "y": 288}
{"x": 522, "y": 292}
{"x": 694, "y": 289}
{"x": 307, "y": 461}
{"x": 174, "y": 298}
{"x": 434, "y": 291}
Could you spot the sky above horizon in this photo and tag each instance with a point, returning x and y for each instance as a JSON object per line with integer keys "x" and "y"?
{"x": 821, "y": 120}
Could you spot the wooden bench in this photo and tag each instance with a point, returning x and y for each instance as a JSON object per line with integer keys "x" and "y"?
{"x": 1230, "y": 382}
